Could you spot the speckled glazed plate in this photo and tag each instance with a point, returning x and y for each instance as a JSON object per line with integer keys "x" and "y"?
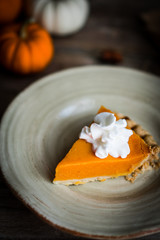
{"x": 40, "y": 126}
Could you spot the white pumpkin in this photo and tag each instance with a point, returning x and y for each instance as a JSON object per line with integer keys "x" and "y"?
{"x": 60, "y": 17}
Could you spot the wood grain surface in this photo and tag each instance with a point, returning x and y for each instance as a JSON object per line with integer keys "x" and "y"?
{"x": 111, "y": 25}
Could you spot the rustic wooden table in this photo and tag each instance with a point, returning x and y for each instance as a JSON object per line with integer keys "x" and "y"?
{"x": 113, "y": 25}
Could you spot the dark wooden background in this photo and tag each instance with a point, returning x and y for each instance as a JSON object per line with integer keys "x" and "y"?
{"x": 112, "y": 24}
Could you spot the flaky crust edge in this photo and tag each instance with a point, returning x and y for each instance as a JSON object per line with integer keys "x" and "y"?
{"x": 153, "y": 161}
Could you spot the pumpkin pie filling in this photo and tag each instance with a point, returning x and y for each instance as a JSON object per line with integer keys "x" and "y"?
{"x": 81, "y": 165}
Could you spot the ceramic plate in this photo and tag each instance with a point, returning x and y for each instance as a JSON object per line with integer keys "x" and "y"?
{"x": 40, "y": 126}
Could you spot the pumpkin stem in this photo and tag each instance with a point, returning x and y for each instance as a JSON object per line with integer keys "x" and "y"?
{"x": 23, "y": 30}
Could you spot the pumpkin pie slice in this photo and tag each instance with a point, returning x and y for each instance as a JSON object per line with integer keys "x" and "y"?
{"x": 81, "y": 165}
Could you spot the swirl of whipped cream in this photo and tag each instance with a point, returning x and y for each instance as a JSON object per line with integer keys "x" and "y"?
{"x": 108, "y": 136}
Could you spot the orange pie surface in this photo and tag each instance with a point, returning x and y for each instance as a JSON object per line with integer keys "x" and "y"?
{"x": 81, "y": 163}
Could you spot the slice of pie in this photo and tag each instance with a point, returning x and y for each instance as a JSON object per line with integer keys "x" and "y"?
{"x": 81, "y": 165}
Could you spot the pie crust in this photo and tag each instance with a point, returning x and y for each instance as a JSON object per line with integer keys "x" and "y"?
{"x": 153, "y": 161}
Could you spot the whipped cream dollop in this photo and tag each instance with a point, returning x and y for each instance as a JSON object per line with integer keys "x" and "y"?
{"x": 108, "y": 136}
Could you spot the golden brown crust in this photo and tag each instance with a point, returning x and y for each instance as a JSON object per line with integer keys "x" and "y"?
{"x": 153, "y": 161}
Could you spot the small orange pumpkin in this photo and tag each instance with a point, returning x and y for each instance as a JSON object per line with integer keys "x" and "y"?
{"x": 25, "y": 49}
{"x": 9, "y": 10}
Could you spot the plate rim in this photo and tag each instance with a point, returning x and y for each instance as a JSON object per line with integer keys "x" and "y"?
{"x": 47, "y": 77}
{"x": 38, "y": 82}
{"x": 138, "y": 234}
